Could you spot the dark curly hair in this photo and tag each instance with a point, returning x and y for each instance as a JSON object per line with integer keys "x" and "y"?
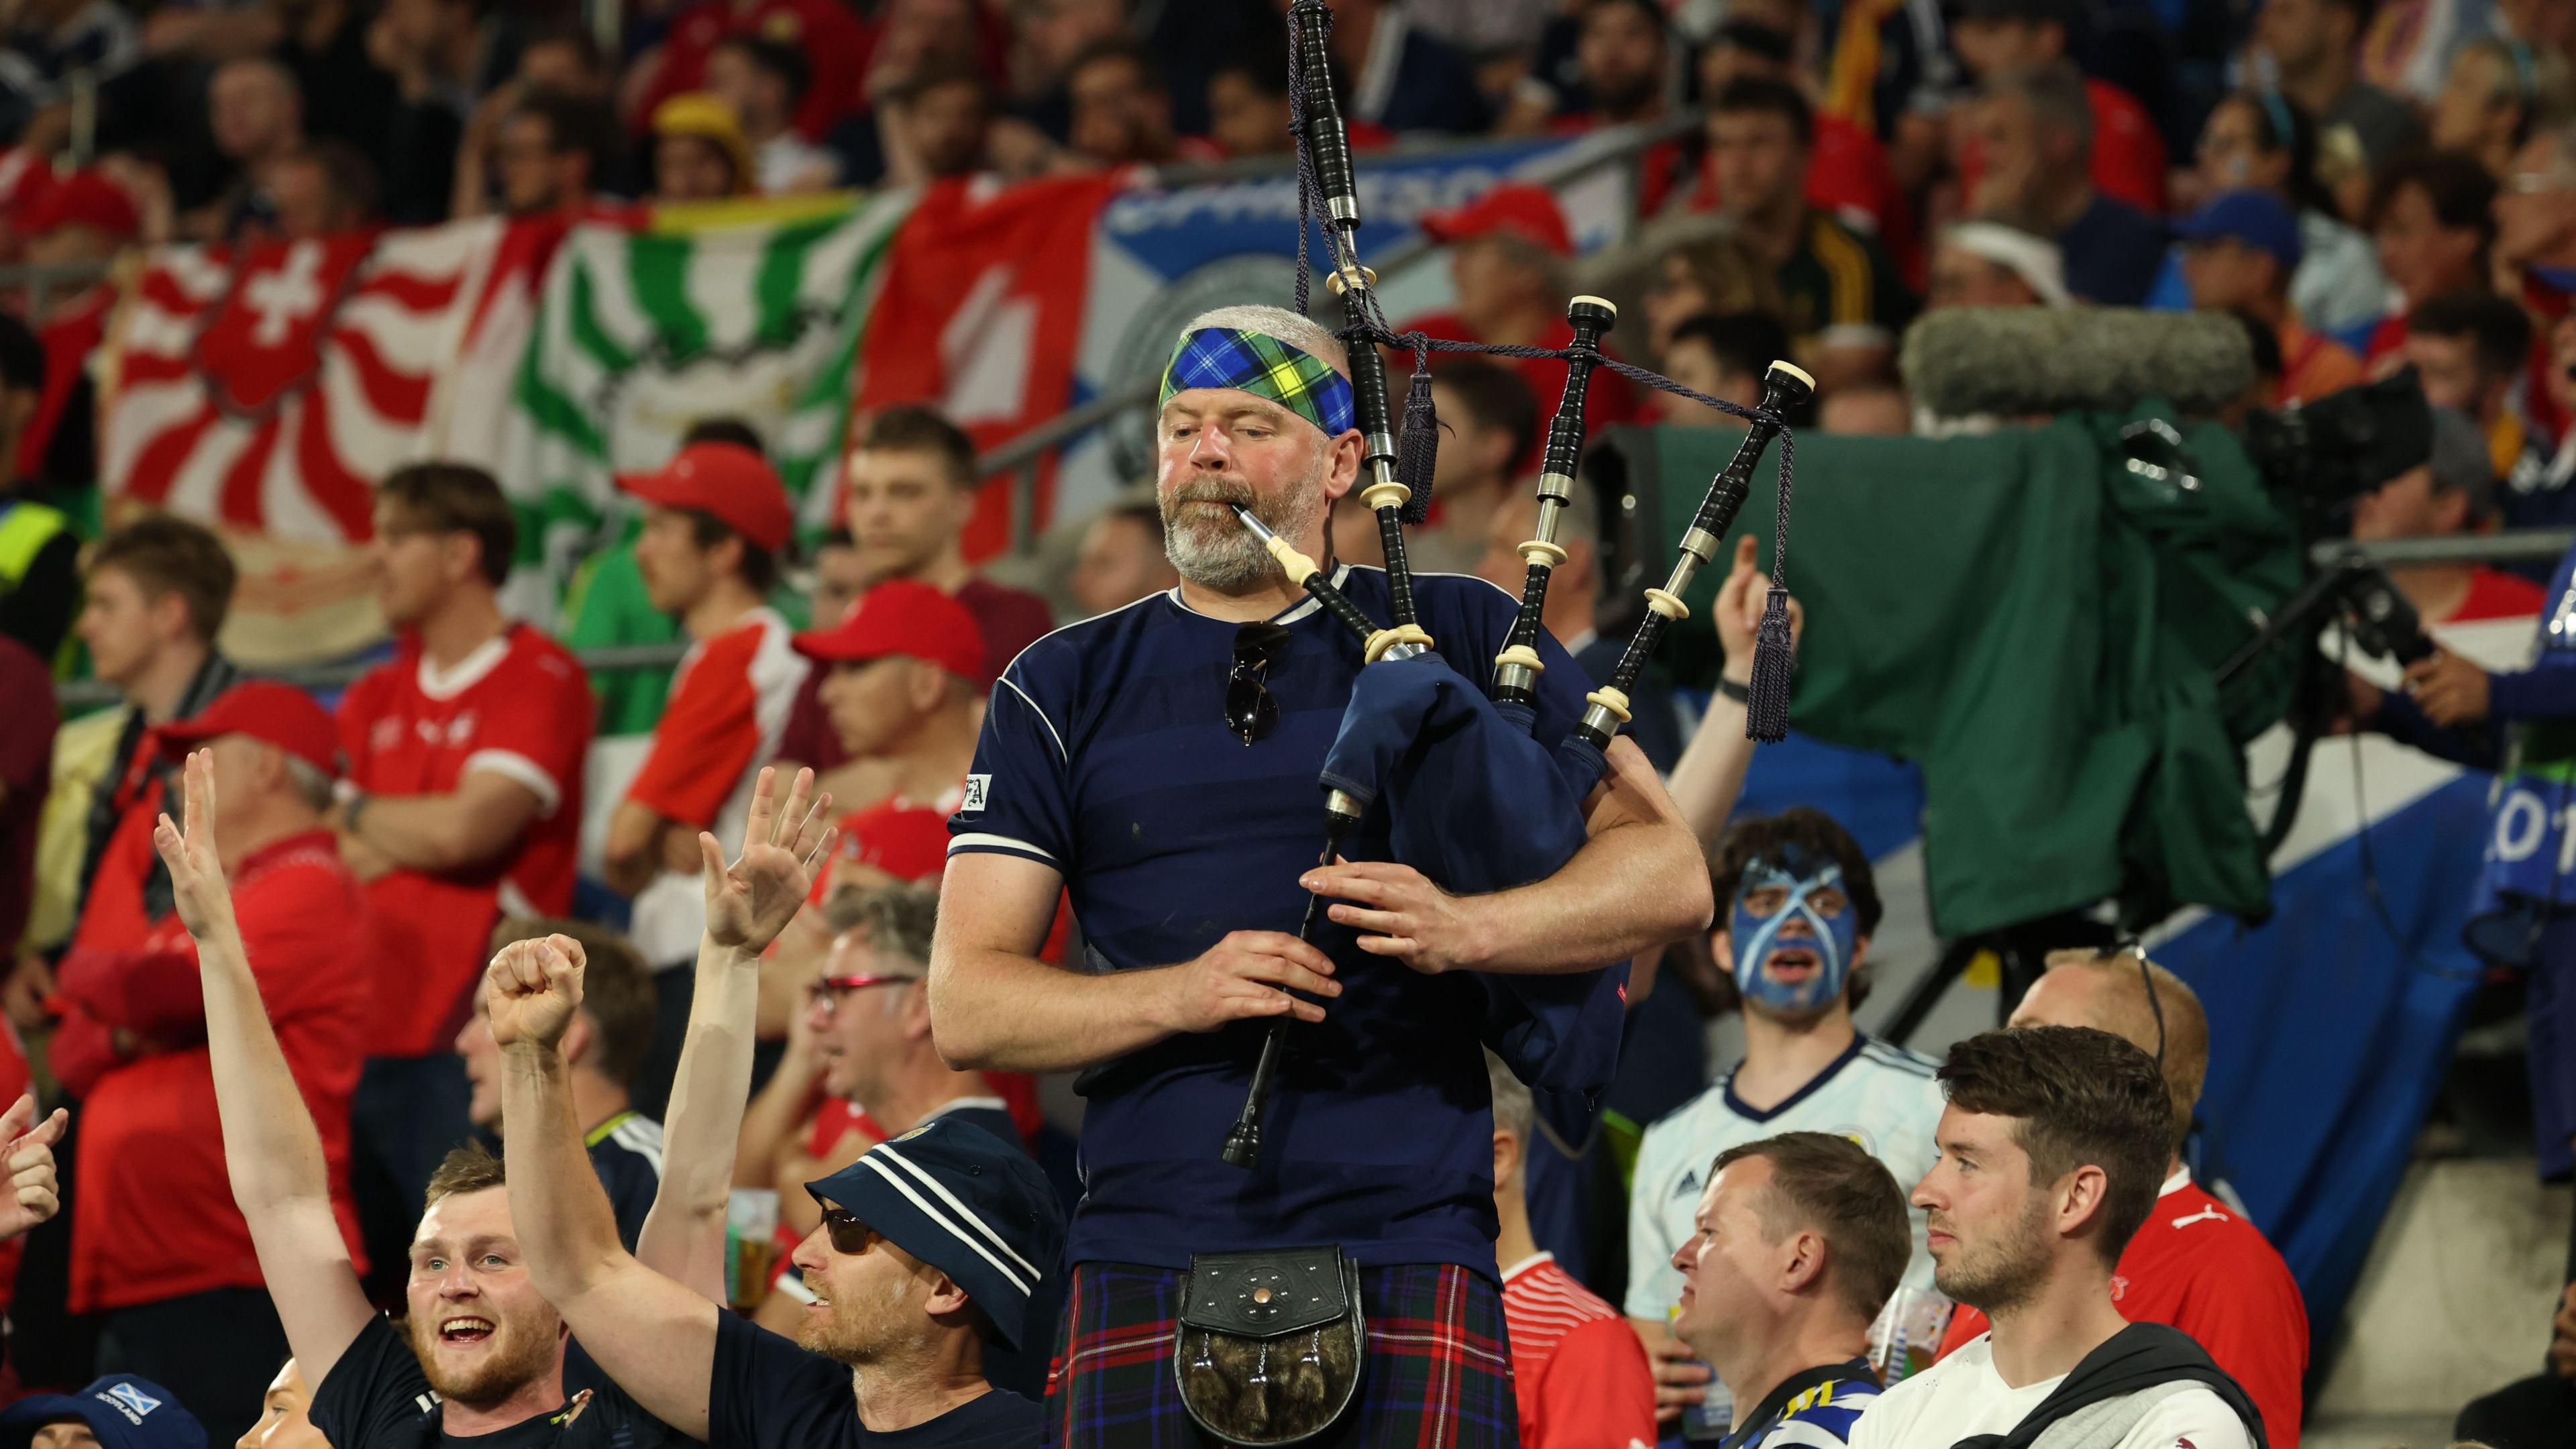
{"x": 1800, "y": 840}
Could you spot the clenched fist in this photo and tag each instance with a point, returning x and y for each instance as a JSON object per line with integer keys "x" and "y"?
{"x": 535, "y": 987}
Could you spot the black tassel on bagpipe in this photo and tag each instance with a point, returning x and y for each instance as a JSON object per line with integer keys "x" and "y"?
{"x": 1767, "y": 717}
{"x": 1417, "y": 447}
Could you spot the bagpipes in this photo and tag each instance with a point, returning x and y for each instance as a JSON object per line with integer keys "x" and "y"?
{"x": 1416, "y": 732}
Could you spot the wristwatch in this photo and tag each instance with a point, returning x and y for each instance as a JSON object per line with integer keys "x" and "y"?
{"x": 1741, "y": 694}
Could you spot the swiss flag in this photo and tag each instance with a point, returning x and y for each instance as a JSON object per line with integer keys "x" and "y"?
{"x": 980, "y": 317}
{"x": 265, "y": 337}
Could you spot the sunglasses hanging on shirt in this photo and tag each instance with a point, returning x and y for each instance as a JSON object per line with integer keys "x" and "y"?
{"x": 1249, "y": 710}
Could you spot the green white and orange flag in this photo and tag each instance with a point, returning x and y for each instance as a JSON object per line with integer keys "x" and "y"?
{"x": 752, "y": 310}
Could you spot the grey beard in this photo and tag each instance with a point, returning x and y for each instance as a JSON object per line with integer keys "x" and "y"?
{"x": 1217, "y": 551}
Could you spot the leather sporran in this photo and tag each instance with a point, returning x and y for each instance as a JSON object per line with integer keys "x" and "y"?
{"x": 1272, "y": 1344}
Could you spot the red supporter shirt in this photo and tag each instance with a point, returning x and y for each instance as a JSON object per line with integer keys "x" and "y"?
{"x": 728, "y": 707}
{"x": 1009, "y": 619}
{"x": 70, "y": 335}
{"x": 1577, "y": 1368}
{"x": 520, "y": 707}
{"x": 833, "y": 41}
{"x": 154, "y": 1218}
{"x": 2128, "y": 155}
{"x": 2546, "y": 420}
{"x": 1611, "y": 400}
{"x": 26, "y": 773}
{"x": 2198, "y": 1266}
{"x": 2494, "y": 594}
{"x": 112, "y": 915}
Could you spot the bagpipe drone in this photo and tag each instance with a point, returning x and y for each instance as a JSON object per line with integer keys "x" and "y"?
{"x": 1419, "y": 738}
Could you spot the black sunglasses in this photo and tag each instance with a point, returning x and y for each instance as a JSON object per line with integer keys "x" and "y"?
{"x": 849, "y": 1235}
{"x": 1249, "y": 710}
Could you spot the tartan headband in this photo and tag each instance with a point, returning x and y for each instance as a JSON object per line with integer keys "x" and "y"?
{"x": 1264, "y": 366}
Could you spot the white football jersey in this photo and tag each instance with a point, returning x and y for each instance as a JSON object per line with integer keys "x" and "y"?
{"x": 1880, "y": 1096}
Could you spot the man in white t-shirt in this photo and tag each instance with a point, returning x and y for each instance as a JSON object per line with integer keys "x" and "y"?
{"x": 1800, "y": 905}
{"x": 2052, "y": 1149}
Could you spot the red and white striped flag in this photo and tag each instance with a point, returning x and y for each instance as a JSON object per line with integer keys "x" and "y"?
{"x": 264, "y": 390}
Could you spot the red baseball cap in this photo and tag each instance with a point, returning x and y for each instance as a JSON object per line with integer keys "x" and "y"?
{"x": 902, "y": 616}
{"x": 1513, "y": 208}
{"x": 906, "y": 841}
{"x": 275, "y": 714}
{"x": 84, "y": 198}
{"x": 726, "y": 481}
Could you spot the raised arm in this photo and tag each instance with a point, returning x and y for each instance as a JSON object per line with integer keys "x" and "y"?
{"x": 994, "y": 1006}
{"x": 656, "y": 1338}
{"x": 1709, "y": 777}
{"x": 271, "y": 1150}
{"x": 748, "y": 904}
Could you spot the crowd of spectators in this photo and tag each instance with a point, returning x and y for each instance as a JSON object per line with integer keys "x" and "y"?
{"x": 732, "y": 997}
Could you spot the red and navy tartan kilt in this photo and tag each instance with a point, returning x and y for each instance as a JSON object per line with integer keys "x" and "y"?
{"x": 1439, "y": 1372}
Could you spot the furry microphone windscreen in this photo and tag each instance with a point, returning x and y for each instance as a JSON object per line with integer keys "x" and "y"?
{"x": 2018, "y": 361}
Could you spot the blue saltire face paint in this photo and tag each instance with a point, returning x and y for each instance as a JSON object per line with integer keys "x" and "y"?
{"x": 1756, "y": 935}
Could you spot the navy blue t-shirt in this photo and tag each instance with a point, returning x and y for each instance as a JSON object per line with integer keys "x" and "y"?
{"x": 376, "y": 1397}
{"x": 1105, "y": 754}
{"x": 766, "y": 1393}
{"x": 626, "y": 1152}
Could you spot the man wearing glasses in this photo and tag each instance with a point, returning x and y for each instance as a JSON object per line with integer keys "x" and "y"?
{"x": 872, "y": 1028}
{"x": 1160, "y": 762}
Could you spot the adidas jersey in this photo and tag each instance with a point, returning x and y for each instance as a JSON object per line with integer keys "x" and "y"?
{"x": 626, "y": 1151}
{"x": 1819, "y": 1411}
{"x": 1881, "y": 1096}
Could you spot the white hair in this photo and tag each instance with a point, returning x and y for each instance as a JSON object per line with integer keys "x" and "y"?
{"x": 311, "y": 785}
{"x": 1301, "y": 332}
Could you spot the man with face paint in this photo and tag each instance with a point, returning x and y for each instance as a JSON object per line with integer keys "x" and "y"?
{"x": 1796, "y": 905}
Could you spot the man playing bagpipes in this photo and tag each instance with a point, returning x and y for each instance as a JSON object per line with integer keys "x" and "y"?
{"x": 1160, "y": 763}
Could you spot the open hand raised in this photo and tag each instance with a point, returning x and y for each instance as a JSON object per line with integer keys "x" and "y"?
{"x": 29, "y": 1189}
{"x": 196, "y": 872}
{"x": 534, "y": 989}
{"x": 1741, "y": 599}
{"x": 751, "y": 901}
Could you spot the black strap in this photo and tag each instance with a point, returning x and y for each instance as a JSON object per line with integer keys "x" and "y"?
{"x": 2138, "y": 1357}
{"x": 1789, "y": 1388}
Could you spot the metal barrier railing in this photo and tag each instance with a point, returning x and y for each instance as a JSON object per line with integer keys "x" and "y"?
{"x": 2510, "y": 546}
{"x": 2520, "y": 545}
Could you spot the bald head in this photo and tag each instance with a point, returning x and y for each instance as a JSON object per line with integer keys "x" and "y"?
{"x": 2109, "y": 993}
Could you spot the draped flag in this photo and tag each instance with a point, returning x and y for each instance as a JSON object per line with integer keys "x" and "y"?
{"x": 264, "y": 389}
{"x": 1160, "y": 256}
{"x": 982, "y": 319}
{"x": 752, "y": 310}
